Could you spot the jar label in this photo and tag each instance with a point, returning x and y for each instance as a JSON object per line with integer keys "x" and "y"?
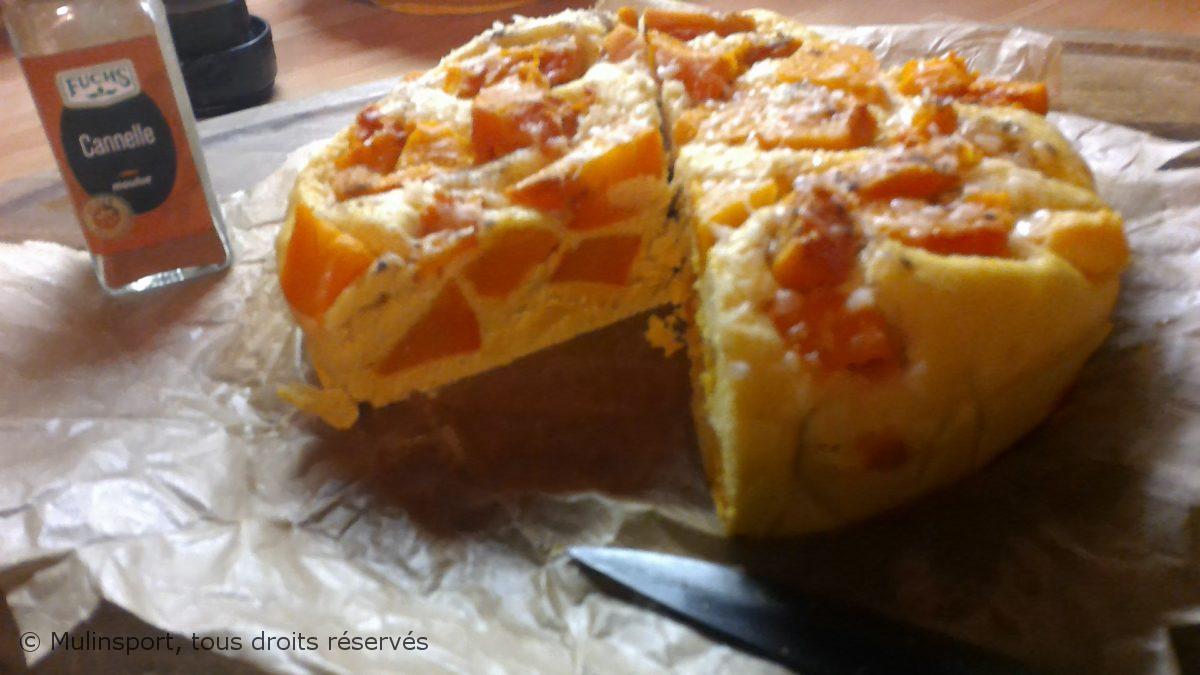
{"x": 111, "y": 119}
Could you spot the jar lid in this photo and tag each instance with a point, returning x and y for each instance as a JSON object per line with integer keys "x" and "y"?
{"x": 207, "y": 26}
{"x": 233, "y": 78}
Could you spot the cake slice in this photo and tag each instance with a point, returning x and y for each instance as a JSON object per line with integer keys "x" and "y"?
{"x": 898, "y": 273}
{"x": 510, "y": 198}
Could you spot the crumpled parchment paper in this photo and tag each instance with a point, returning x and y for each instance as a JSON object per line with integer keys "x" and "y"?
{"x": 147, "y": 464}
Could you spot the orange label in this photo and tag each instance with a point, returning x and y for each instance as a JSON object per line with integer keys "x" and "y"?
{"x": 109, "y": 113}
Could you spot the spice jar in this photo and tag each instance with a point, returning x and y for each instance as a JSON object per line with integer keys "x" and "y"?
{"x": 106, "y": 82}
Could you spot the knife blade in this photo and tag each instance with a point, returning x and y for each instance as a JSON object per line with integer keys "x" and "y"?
{"x": 804, "y": 633}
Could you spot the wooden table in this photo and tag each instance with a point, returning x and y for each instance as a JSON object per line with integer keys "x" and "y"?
{"x": 328, "y": 44}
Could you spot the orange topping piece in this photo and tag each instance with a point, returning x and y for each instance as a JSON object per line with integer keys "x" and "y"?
{"x": 509, "y": 258}
{"x": 449, "y": 328}
{"x": 539, "y": 65}
{"x": 949, "y": 76}
{"x": 763, "y": 47}
{"x": 447, "y": 213}
{"x": 602, "y": 260}
{"x": 1093, "y": 242}
{"x": 320, "y": 262}
{"x": 942, "y": 76}
{"x": 914, "y": 173}
{"x": 586, "y": 194}
{"x": 433, "y": 144}
{"x": 735, "y": 204}
{"x": 914, "y": 180}
{"x": 819, "y": 327}
{"x": 933, "y": 118}
{"x": 844, "y": 67}
{"x": 562, "y": 61}
{"x": 376, "y": 144}
{"x": 704, "y": 75}
{"x": 683, "y": 25}
{"x": 818, "y": 245}
{"x": 622, "y": 43}
{"x": 802, "y": 118}
{"x": 441, "y": 249}
{"x": 1031, "y": 96}
{"x": 964, "y": 228}
{"x": 628, "y": 16}
{"x": 505, "y": 118}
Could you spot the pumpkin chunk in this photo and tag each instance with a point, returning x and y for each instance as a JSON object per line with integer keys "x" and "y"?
{"x": 822, "y": 330}
{"x": 931, "y": 118}
{"x": 542, "y": 65}
{"x": 853, "y": 70}
{"x": 436, "y": 145}
{"x": 913, "y": 173}
{"x": 509, "y": 258}
{"x": 684, "y": 25}
{"x": 562, "y": 61}
{"x": 1093, "y": 242}
{"x": 449, "y": 328}
{"x": 705, "y": 76}
{"x": 1031, "y": 96}
{"x": 602, "y": 260}
{"x": 763, "y": 47}
{"x": 942, "y": 76}
{"x": 376, "y": 143}
{"x": 817, "y": 244}
{"x": 949, "y": 76}
{"x": 961, "y": 228}
{"x": 320, "y": 262}
{"x": 585, "y": 195}
{"x": 440, "y": 249}
{"x": 505, "y": 118}
{"x": 790, "y": 117}
{"x": 449, "y": 212}
{"x": 914, "y": 180}
{"x": 732, "y": 205}
{"x": 622, "y": 43}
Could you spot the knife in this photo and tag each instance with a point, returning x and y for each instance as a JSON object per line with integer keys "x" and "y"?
{"x": 807, "y": 634}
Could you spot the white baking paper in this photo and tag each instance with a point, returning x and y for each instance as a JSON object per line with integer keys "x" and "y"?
{"x": 147, "y": 467}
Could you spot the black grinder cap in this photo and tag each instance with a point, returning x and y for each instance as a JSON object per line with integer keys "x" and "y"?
{"x": 226, "y": 54}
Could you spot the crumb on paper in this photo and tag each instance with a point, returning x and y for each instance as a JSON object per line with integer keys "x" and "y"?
{"x": 665, "y": 333}
{"x": 333, "y": 406}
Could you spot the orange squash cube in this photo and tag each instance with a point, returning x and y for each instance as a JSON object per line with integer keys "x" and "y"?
{"x": 320, "y": 262}
{"x": 585, "y": 195}
{"x": 705, "y": 76}
{"x": 853, "y": 70}
{"x": 818, "y": 246}
{"x": 684, "y": 25}
{"x": 433, "y": 144}
{"x": 449, "y": 328}
{"x": 622, "y": 43}
{"x": 906, "y": 179}
{"x": 822, "y": 329}
{"x": 942, "y": 76}
{"x": 601, "y": 260}
{"x": 1031, "y": 96}
{"x": 508, "y": 260}
{"x": 506, "y": 118}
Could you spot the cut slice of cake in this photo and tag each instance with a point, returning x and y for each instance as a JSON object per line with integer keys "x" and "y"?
{"x": 509, "y": 199}
{"x": 898, "y": 272}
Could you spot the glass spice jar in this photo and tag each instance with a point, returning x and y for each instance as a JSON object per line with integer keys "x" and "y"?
{"x": 107, "y": 85}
